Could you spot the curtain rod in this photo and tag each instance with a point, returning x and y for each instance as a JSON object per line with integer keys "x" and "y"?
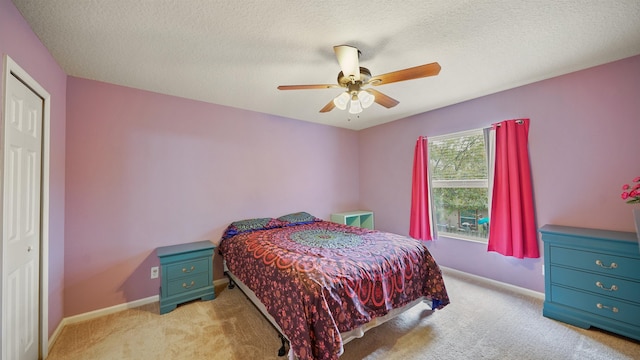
{"x": 498, "y": 124}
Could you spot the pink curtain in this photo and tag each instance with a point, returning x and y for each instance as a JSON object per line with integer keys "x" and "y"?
{"x": 420, "y": 226}
{"x": 513, "y": 231}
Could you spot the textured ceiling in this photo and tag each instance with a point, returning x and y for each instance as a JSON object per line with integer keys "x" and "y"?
{"x": 236, "y": 53}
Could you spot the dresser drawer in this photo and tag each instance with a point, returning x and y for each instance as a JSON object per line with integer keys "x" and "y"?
{"x": 600, "y": 305}
{"x": 609, "y": 286}
{"x": 188, "y": 283}
{"x": 187, "y": 268}
{"x": 597, "y": 262}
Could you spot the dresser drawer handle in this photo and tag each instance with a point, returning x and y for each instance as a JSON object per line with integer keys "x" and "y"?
{"x": 612, "y": 266}
{"x": 185, "y": 270}
{"x": 612, "y": 288}
{"x": 600, "y": 306}
{"x": 184, "y": 285}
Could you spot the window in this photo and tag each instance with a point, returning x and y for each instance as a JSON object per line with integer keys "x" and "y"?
{"x": 459, "y": 185}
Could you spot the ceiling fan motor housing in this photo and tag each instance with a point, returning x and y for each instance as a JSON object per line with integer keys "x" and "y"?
{"x": 344, "y": 81}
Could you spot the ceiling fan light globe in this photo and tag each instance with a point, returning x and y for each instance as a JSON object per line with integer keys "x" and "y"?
{"x": 366, "y": 99}
{"x": 341, "y": 100}
{"x": 355, "y": 107}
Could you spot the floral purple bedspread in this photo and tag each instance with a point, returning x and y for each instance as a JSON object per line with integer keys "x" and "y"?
{"x": 320, "y": 279}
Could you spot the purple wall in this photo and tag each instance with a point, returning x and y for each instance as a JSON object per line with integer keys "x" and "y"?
{"x": 583, "y": 144}
{"x": 19, "y": 42}
{"x": 146, "y": 170}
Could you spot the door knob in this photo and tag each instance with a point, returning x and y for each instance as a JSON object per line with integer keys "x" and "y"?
{"x": 29, "y": 249}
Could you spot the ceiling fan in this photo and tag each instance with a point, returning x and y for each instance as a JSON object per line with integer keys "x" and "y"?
{"x": 353, "y": 78}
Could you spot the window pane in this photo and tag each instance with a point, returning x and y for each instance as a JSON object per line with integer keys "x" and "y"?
{"x": 458, "y": 158}
{"x": 458, "y": 168}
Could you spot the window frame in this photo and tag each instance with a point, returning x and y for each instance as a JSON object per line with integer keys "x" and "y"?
{"x": 472, "y": 183}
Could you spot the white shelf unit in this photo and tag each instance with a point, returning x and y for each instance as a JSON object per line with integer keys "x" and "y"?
{"x": 359, "y": 218}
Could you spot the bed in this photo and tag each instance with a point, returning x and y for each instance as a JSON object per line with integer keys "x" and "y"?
{"x": 321, "y": 283}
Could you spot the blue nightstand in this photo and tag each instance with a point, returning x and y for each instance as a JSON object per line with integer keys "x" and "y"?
{"x": 186, "y": 273}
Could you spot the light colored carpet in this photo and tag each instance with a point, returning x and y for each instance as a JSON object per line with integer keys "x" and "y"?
{"x": 483, "y": 321}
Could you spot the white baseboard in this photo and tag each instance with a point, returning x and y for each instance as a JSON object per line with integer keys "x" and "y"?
{"x": 224, "y": 280}
{"x": 110, "y": 310}
{"x": 514, "y": 288}
{"x": 56, "y": 333}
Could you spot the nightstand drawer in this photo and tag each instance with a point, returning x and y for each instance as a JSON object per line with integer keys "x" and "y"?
{"x": 188, "y": 283}
{"x": 600, "y": 305}
{"x": 596, "y": 283}
{"x": 186, "y": 268}
{"x": 592, "y": 261}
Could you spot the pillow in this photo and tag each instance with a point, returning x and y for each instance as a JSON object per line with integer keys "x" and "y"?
{"x": 298, "y": 218}
{"x": 243, "y": 226}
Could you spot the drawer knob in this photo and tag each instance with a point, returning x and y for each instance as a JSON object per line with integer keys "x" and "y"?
{"x": 612, "y": 266}
{"x": 185, "y": 270}
{"x": 613, "y": 308}
{"x": 184, "y": 285}
{"x": 612, "y": 288}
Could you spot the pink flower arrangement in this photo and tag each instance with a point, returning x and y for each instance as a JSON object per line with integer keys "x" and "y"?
{"x": 631, "y": 193}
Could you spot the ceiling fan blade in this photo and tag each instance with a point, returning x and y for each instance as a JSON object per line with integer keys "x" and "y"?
{"x": 383, "y": 99}
{"x": 348, "y": 60}
{"x": 304, "y": 87}
{"x": 328, "y": 107}
{"x": 406, "y": 74}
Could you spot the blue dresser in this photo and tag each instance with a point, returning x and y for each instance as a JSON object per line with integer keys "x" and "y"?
{"x": 592, "y": 278}
{"x": 186, "y": 273}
